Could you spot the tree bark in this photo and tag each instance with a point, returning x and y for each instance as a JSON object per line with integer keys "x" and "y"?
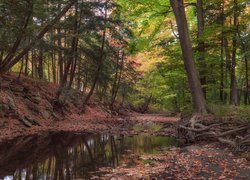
{"x": 100, "y": 60}
{"x": 201, "y": 44}
{"x": 70, "y": 60}
{"x": 117, "y": 81}
{"x": 222, "y": 56}
{"x": 234, "y": 99}
{"x": 26, "y": 64}
{"x": 246, "y": 96}
{"x": 198, "y": 98}
{"x": 40, "y": 63}
{"x": 74, "y": 51}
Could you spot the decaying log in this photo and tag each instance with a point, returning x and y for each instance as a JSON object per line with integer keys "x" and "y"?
{"x": 234, "y": 133}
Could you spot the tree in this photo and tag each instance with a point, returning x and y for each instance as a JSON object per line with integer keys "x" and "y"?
{"x": 187, "y": 54}
{"x": 201, "y": 43}
{"x": 10, "y": 62}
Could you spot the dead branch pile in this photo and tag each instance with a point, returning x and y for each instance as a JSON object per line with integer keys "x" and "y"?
{"x": 234, "y": 133}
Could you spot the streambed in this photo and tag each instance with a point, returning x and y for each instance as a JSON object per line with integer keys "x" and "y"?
{"x": 68, "y": 155}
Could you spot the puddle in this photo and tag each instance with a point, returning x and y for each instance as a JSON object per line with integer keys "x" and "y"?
{"x": 71, "y": 156}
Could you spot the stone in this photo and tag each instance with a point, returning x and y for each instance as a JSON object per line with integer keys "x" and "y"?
{"x": 33, "y": 121}
{"x": 34, "y": 97}
{"x": 46, "y": 114}
{"x": 17, "y": 89}
{"x": 11, "y": 103}
{"x": 56, "y": 116}
{"x": 25, "y": 121}
{"x": 48, "y": 106}
{"x": 192, "y": 148}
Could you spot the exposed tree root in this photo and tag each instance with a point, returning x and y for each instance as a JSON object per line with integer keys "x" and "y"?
{"x": 234, "y": 133}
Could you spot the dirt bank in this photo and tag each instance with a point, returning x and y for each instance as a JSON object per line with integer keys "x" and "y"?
{"x": 29, "y": 106}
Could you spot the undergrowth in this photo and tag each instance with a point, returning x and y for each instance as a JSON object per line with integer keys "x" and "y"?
{"x": 236, "y": 112}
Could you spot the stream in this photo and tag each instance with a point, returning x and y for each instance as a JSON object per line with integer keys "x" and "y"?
{"x": 72, "y": 155}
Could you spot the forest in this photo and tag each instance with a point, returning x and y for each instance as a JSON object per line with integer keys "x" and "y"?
{"x": 118, "y": 89}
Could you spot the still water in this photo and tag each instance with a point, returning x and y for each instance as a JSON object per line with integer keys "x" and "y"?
{"x": 71, "y": 156}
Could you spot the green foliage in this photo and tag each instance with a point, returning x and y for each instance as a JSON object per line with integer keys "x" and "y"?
{"x": 240, "y": 112}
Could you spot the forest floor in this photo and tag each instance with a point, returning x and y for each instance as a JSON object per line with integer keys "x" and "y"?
{"x": 201, "y": 160}
{"x": 27, "y": 107}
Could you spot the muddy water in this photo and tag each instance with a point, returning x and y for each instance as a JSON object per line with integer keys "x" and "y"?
{"x": 71, "y": 156}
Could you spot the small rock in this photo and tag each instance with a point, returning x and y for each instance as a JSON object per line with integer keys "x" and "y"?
{"x": 25, "y": 122}
{"x": 48, "y": 106}
{"x": 33, "y": 121}
{"x": 192, "y": 148}
{"x": 56, "y": 116}
{"x": 46, "y": 114}
{"x": 34, "y": 97}
{"x": 16, "y": 89}
{"x": 11, "y": 103}
{"x": 174, "y": 149}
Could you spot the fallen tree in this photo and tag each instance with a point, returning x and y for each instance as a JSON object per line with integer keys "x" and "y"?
{"x": 234, "y": 133}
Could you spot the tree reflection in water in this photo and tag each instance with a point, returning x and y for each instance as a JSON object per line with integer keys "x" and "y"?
{"x": 64, "y": 156}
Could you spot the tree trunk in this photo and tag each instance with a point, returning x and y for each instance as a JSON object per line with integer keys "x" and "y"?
{"x": 26, "y": 64}
{"x": 247, "y": 83}
{"x": 222, "y": 56}
{"x": 32, "y": 63}
{"x": 78, "y": 75}
{"x": 1, "y": 56}
{"x": 246, "y": 96}
{"x": 74, "y": 55}
{"x": 234, "y": 99}
{"x": 60, "y": 57}
{"x": 117, "y": 81}
{"x": 71, "y": 60}
{"x": 40, "y": 64}
{"x": 187, "y": 54}
{"x": 100, "y": 60}
{"x": 201, "y": 44}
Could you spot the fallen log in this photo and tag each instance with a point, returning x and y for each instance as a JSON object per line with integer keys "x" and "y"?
{"x": 235, "y": 134}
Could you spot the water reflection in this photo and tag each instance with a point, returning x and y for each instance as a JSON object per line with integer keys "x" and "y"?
{"x": 59, "y": 156}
